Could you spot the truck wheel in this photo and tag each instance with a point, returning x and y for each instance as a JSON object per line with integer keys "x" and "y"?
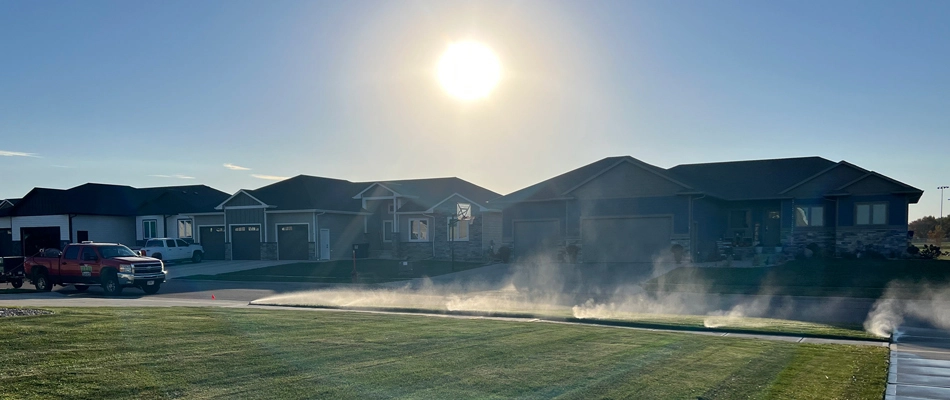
{"x": 17, "y": 283}
{"x": 151, "y": 289}
{"x": 110, "y": 284}
{"x": 42, "y": 283}
{"x": 196, "y": 258}
{"x": 80, "y": 288}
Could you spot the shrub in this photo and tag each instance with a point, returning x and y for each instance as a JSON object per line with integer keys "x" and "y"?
{"x": 930, "y": 252}
{"x": 913, "y": 250}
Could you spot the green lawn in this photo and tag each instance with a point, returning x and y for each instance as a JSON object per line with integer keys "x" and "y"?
{"x": 833, "y": 277}
{"x": 203, "y": 353}
{"x": 340, "y": 271}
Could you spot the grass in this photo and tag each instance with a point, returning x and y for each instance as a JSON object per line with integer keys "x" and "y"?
{"x": 339, "y": 271}
{"x": 832, "y": 277}
{"x": 204, "y": 353}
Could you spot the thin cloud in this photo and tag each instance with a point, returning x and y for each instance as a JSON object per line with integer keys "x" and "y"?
{"x": 5, "y": 153}
{"x": 61, "y": 166}
{"x": 176, "y": 176}
{"x": 270, "y": 177}
{"x": 235, "y": 167}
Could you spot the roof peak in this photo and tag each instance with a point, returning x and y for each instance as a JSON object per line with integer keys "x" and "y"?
{"x": 757, "y": 160}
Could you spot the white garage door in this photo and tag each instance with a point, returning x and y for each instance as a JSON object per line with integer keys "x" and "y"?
{"x": 635, "y": 239}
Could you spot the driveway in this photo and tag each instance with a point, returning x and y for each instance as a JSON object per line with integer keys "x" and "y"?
{"x": 178, "y": 270}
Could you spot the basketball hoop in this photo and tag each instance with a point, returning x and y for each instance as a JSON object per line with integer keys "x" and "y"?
{"x": 463, "y": 212}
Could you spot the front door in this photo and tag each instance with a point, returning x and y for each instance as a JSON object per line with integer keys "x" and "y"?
{"x": 324, "y": 244}
{"x": 773, "y": 228}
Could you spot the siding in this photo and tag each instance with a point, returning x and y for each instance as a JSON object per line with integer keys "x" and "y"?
{"x": 62, "y": 221}
{"x": 345, "y": 230}
{"x": 5, "y": 222}
{"x": 242, "y": 200}
{"x": 827, "y": 182}
{"x": 208, "y": 220}
{"x": 106, "y": 228}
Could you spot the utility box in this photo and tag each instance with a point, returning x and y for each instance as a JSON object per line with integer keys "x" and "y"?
{"x": 361, "y": 250}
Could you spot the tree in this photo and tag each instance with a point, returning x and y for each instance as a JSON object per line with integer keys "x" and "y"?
{"x": 924, "y": 226}
{"x": 937, "y": 235}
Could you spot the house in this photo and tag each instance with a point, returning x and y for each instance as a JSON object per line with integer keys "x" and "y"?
{"x": 103, "y": 213}
{"x": 620, "y": 209}
{"x": 317, "y": 218}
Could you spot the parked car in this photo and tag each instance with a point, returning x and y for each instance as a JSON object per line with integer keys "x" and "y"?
{"x": 113, "y": 266}
{"x": 168, "y": 249}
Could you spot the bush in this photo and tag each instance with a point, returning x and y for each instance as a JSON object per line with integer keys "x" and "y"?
{"x": 504, "y": 254}
{"x": 930, "y": 252}
{"x": 913, "y": 250}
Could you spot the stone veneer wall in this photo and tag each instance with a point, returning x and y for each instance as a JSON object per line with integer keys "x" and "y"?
{"x": 269, "y": 251}
{"x": 890, "y": 241}
{"x": 227, "y": 252}
{"x": 794, "y": 241}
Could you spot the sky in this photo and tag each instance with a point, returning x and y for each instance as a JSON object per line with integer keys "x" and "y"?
{"x": 234, "y": 94}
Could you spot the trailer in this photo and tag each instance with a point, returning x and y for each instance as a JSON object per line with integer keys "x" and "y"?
{"x": 11, "y": 271}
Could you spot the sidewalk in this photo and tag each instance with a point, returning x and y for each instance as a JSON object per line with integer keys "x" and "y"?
{"x": 920, "y": 365}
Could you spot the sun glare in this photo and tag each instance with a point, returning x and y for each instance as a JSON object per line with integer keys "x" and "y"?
{"x": 469, "y": 70}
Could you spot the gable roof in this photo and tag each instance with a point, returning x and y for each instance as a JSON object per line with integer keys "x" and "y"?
{"x": 732, "y": 180}
{"x": 305, "y": 192}
{"x": 424, "y": 194}
{"x": 753, "y": 179}
{"x": 559, "y": 187}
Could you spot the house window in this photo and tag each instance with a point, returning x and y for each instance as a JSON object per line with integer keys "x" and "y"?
{"x": 149, "y": 228}
{"x": 184, "y": 228}
{"x": 461, "y": 230}
{"x": 387, "y": 231}
{"x": 809, "y": 216}
{"x": 739, "y": 219}
{"x": 392, "y": 208}
{"x": 418, "y": 230}
{"x": 871, "y": 214}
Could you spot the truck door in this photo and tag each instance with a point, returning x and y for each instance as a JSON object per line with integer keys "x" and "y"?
{"x": 88, "y": 265}
{"x": 69, "y": 264}
{"x": 174, "y": 252}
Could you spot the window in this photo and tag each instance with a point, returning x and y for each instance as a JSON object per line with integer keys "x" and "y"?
{"x": 809, "y": 216}
{"x": 461, "y": 230}
{"x": 739, "y": 219}
{"x": 89, "y": 254}
{"x": 387, "y": 231}
{"x": 392, "y": 208}
{"x": 871, "y": 214}
{"x": 181, "y": 243}
{"x": 72, "y": 252}
{"x": 154, "y": 243}
{"x": 419, "y": 230}
{"x": 149, "y": 228}
{"x": 170, "y": 243}
{"x": 184, "y": 228}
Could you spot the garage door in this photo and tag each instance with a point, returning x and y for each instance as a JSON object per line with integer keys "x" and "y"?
{"x": 212, "y": 240}
{"x": 536, "y": 237}
{"x": 293, "y": 242}
{"x": 245, "y": 242}
{"x": 625, "y": 239}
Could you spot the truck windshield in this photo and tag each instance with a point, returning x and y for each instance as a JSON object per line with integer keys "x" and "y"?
{"x": 116, "y": 251}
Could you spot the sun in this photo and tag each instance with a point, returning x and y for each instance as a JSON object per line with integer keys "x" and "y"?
{"x": 469, "y": 70}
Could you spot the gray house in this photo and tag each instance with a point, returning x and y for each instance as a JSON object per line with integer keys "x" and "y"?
{"x": 51, "y": 218}
{"x": 315, "y": 218}
{"x": 620, "y": 209}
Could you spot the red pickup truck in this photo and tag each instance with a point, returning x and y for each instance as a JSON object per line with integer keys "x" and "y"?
{"x": 113, "y": 266}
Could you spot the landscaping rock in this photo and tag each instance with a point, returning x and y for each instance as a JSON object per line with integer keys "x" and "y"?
{"x": 21, "y": 312}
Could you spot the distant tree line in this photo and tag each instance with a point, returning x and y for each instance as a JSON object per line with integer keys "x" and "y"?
{"x": 930, "y": 227}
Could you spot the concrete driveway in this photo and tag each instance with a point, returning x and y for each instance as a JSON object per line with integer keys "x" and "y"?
{"x": 178, "y": 270}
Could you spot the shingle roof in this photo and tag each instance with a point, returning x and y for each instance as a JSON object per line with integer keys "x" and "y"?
{"x": 426, "y": 193}
{"x": 304, "y": 192}
{"x": 746, "y": 180}
{"x": 120, "y": 200}
{"x": 733, "y": 180}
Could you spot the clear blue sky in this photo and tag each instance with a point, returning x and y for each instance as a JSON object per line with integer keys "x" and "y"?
{"x": 118, "y": 92}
